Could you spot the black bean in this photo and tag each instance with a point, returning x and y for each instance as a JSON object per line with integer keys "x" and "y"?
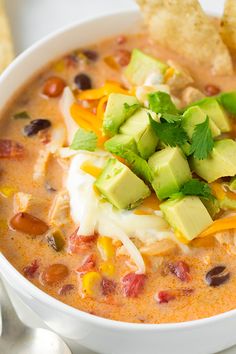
{"x": 217, "y": 276}
{"x": 83, "y": 82}
{"x": 35, "y": 126}
{"x": 91, "y": 54}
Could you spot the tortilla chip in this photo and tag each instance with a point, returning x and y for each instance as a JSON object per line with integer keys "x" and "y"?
{"x": 183, "y": 27}
{"x": 228, "y": 24}
{"x": 6, "y": 46}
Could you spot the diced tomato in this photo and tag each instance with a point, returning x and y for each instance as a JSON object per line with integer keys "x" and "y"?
{"x": 79, "y": 243}
{"x": 30, "y": 270}
{"x": 108, "y": 286}
{"x": 10, "y": 149}
{"x": 181, "y": 270}
{"x": 165, "y": 296}
{"x": 88, "y": 265}
{"x": 133, "y": 284}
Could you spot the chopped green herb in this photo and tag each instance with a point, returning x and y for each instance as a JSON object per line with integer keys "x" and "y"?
{"x": 202, "y": 141}
{"x": 21, "y": 115}
{"x": 139, "y": 166}
{"x": 170, "y": 118}
{"x": 160, "y": 102}
{"x": 131, "y": 109}
{"x": 198, "y": 188}
{"x": 84, "y": 140}
{"x": 171, "y": 134}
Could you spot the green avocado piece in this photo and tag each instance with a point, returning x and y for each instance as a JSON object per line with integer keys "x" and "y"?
{"x": 227, "y": 203}
{"x": 228, "y": 101}
{"x": 141, "y": 66}
{"x": 195, "y": 115}
{"x": 121, "y": 140}
{"x": 215, "y": 112}
{"x": 220, "y": 163}
{"x": 232, "y": 184}
{"x": 138, "y": 127}
{"x": 120, "y": 186}
{"x": 115, "y": 113}
{"x": 213, "y": 206}
{"x": 171, "y": 171}
{"x": 188, "y": 216}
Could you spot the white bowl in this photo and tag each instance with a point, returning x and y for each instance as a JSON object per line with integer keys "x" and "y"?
{"x": 101, "y": 335}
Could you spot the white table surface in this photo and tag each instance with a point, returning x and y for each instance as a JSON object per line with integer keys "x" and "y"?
{"x": 31, "y": 20}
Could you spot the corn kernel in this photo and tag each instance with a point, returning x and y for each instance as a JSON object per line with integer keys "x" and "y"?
{"x": 7, "y": 191}
{"x": 107, "y": 269}
{"x": 91, "y": 283}
{"x": 105, "y": 247}
{"x": 59, "y": 66}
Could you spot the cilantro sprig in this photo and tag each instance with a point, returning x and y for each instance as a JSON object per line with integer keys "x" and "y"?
{"x": 197, "y": 188}
{"x": 139, "y": 166}
{"x": 202, "y": 141}
{"x": 84, "y": 140}
{"x": 171, "y": 134}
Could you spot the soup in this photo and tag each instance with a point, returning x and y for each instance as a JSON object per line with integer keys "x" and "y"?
{"x": 158, "y": 239}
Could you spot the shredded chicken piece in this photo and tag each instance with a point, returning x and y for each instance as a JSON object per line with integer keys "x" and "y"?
{"x": 58, "y": 138}
{"x": 160, "y": 248}
{"x": 191, "y": 95}
{"x": 41, "y": 165}
{"x": 25, "y": 202}
{"x": 59, "y": 214}
{"x": 228, "y": 240}
{"x": 183, "y": 27}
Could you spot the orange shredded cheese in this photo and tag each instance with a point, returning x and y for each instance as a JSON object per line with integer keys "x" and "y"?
{"x": 91, "y": 169}
{"x": 220, "y": 225}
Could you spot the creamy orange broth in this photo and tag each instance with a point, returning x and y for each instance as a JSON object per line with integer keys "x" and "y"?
{"x": 198, "y": 300}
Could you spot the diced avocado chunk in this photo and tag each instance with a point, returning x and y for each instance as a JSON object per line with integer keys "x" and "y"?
{"x": 171, "y": 171}
{"x": 215, "y": 112}
{"x": 228, "y": 101}
{"x": 115, "y": 113}
{"x": 232, "y": 184}
{"x": 138, "y": 126}
{"x": 119, "y": 140}
{"x": 195, "y": 115}
{"x": 188, "y": 216}
{"x": 220, "y": 163}
{"x": 120, "y": 186}
{"x": 227, "y": 203}
{"x": 141, "y": 66}
{"x": 213, "y": 206}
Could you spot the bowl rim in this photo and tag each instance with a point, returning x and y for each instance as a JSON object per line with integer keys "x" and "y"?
{"x": 36, "y": 293}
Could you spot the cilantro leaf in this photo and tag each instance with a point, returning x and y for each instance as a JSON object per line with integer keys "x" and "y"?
{"x": 202, "y": 141}
{"x": 131, "y": 109}
{"x": 171, "y": 134}
{"x": 160, "y": 102}
{"x": 84, "y": 140}
{"x": 198, "y": 188}
{"x": 21, "y": 115}
{"x": 139, "y": 166}
{"x": 170, "y": 118}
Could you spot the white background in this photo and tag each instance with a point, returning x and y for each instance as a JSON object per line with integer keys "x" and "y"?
{"x": 32, "y": 19}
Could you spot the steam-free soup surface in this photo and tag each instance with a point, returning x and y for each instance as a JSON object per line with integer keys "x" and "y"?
{"x": 174, "y": 288}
